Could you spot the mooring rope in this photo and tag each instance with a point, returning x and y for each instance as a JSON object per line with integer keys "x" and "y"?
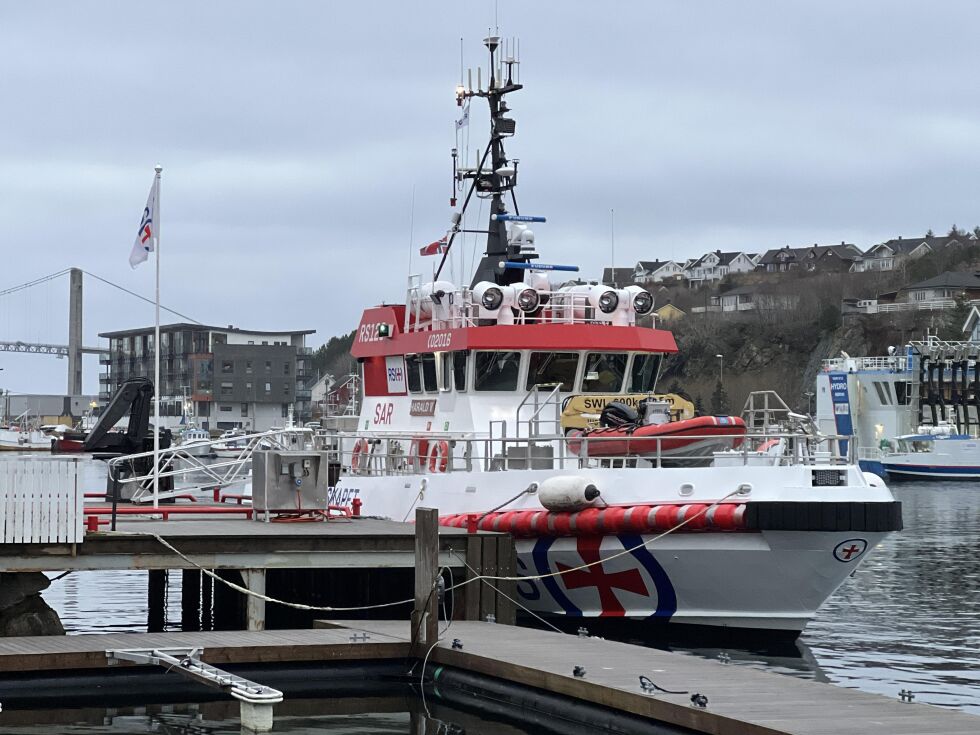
{"x": 478, "y": 577}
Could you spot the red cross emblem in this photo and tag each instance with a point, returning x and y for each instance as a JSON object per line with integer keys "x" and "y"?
{"x": 850, "y": 550}
{"x": 595, "y": 576}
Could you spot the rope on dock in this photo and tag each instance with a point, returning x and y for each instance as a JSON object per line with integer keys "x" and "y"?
{"x": 478, "y": 577}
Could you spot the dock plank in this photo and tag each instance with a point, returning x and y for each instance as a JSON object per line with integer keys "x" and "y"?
{"x": 741, "y": 700}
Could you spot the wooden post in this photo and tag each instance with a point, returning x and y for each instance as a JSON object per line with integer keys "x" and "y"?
{"x": 190, "y": 599}
{"x": 506, "y": 567}
{"x": 254, "y": 606}
{"x": 425, "y": 617}
{"x": 488, "y": 592}
{"x": 156, "y": 614}
{"x": 207, "y": 601}
{"x": 474, "y": 560}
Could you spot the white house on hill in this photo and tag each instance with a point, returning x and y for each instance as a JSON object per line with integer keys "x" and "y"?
{"x": 716, "y": 265}
{"x": 656, "y": 271}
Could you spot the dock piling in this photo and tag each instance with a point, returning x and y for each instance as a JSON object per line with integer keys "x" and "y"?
{"x": 425, "y": 617}
{"x": 254, "y": 606}
{"x": 156, "y": 604}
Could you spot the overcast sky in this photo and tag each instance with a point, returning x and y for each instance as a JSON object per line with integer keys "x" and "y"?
{"x": 292, "y": 135}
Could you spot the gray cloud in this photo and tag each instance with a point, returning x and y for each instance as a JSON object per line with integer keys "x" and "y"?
{"x": 293, "y": 134}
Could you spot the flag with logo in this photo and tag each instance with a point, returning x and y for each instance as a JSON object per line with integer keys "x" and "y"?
{"x": 434, "y": 248}
{"x": 465, "y": 119}
{"x": 146, "y": 237}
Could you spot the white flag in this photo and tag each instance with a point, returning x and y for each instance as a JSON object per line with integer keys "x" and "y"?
{"x": 465, "y": 119}
{"x": 146, "y": 237}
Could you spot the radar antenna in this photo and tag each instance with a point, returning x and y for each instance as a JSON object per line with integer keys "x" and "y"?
{"x": 495, "y": 175}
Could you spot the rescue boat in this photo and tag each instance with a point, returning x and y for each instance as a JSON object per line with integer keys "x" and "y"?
{"x": 464, "y": 388}
{"x": 698, "y": 437}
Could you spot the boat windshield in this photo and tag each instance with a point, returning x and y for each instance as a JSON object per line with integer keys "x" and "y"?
{"x": 643, "y": 376}
{"x": 496, "y": 370}
{"x": 604, "y": 372}
{"x": 551, "y": 368}
{"x": 459, "y": 369}
{"x": 911, "y": 446}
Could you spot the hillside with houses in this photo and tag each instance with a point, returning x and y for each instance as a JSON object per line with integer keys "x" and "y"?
{"x": 766, "y": 319}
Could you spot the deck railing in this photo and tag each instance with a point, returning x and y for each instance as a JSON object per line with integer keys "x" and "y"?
{"x": 178, "y": 463}
{"x": 382, "y": 454}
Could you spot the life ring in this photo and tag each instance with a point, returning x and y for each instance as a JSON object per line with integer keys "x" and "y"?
{"x": 359, "y": 457}
{"x": 438, "y": 456}
{"x": 418, "y": 453}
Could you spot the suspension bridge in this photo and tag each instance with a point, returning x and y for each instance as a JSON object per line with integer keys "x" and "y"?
{"x": 75, "y": 348}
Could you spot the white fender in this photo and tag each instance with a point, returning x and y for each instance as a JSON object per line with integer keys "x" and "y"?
{"x": 567, "y": 493}
{"x": 873, "y": 480}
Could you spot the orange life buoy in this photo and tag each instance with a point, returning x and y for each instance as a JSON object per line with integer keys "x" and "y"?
{"x": 359, "y": 457}
{"x": 418, "y": 453}
{"x": 439, "y": 456}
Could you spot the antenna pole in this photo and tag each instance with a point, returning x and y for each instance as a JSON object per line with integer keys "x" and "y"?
{"x": 411, "y": 232}
{"x": 612, "y": 248}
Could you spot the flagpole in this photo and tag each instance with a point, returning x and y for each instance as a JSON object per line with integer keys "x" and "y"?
{"x": 156, "y": 351}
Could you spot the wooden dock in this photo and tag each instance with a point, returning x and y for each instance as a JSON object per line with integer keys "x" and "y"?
{"x": 223, "y": 542}
{"x": 740, "y": 700}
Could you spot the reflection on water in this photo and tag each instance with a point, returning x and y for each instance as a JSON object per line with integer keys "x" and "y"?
{"x": 363, "y": 716}
{"x": 909, "y": 618}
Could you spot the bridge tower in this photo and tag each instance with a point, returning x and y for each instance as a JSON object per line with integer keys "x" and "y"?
{"x": 75, "y": 332}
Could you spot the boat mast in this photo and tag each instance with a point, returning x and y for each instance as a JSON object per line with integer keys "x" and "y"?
{"x": 496, "y": 174}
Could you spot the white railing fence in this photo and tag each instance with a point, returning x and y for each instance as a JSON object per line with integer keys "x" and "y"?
{"x": 41, "y": 501}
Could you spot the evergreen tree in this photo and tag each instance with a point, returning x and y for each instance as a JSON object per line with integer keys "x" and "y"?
{"x": 955, "y": 231}
{"x": 976, "y": 233}
{"x": 930, "y": 233}
{"x": 334, "y": 357}
{"x": 955, "y": 318}
{"x": 698, "y": 405}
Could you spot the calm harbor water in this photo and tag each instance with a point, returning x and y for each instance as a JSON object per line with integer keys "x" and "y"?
{"x": 909, "y": 618}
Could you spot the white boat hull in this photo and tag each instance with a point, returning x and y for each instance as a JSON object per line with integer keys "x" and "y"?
{"x": 773, "y": 580}
{"x": 765, "y": 579}
{"x": 945, "y": 458}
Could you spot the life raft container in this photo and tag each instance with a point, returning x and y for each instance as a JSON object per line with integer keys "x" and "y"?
{"x": 612, "y": 520}
{"x": 695, "y": 437}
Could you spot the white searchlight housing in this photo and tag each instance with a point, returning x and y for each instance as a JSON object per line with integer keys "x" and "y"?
{"x": 488, "y": 298}
{"x": 499, "y": 302}
{"x": 640, "y": 300}
{"x": 605, "y": 301}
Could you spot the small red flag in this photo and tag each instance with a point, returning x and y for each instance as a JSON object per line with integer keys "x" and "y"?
{"x": 434, "y": 248}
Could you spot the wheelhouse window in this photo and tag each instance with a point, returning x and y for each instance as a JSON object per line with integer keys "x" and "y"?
{"x": 413, "y": 373}
{"x": 496, "y": 370}
{"x": 643, "y": 375}
{"x": 604, "y": 372}
{"x": 459, "y": 369}
{"x": 549, "y": 368}
{"x": 429, "y": 381}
